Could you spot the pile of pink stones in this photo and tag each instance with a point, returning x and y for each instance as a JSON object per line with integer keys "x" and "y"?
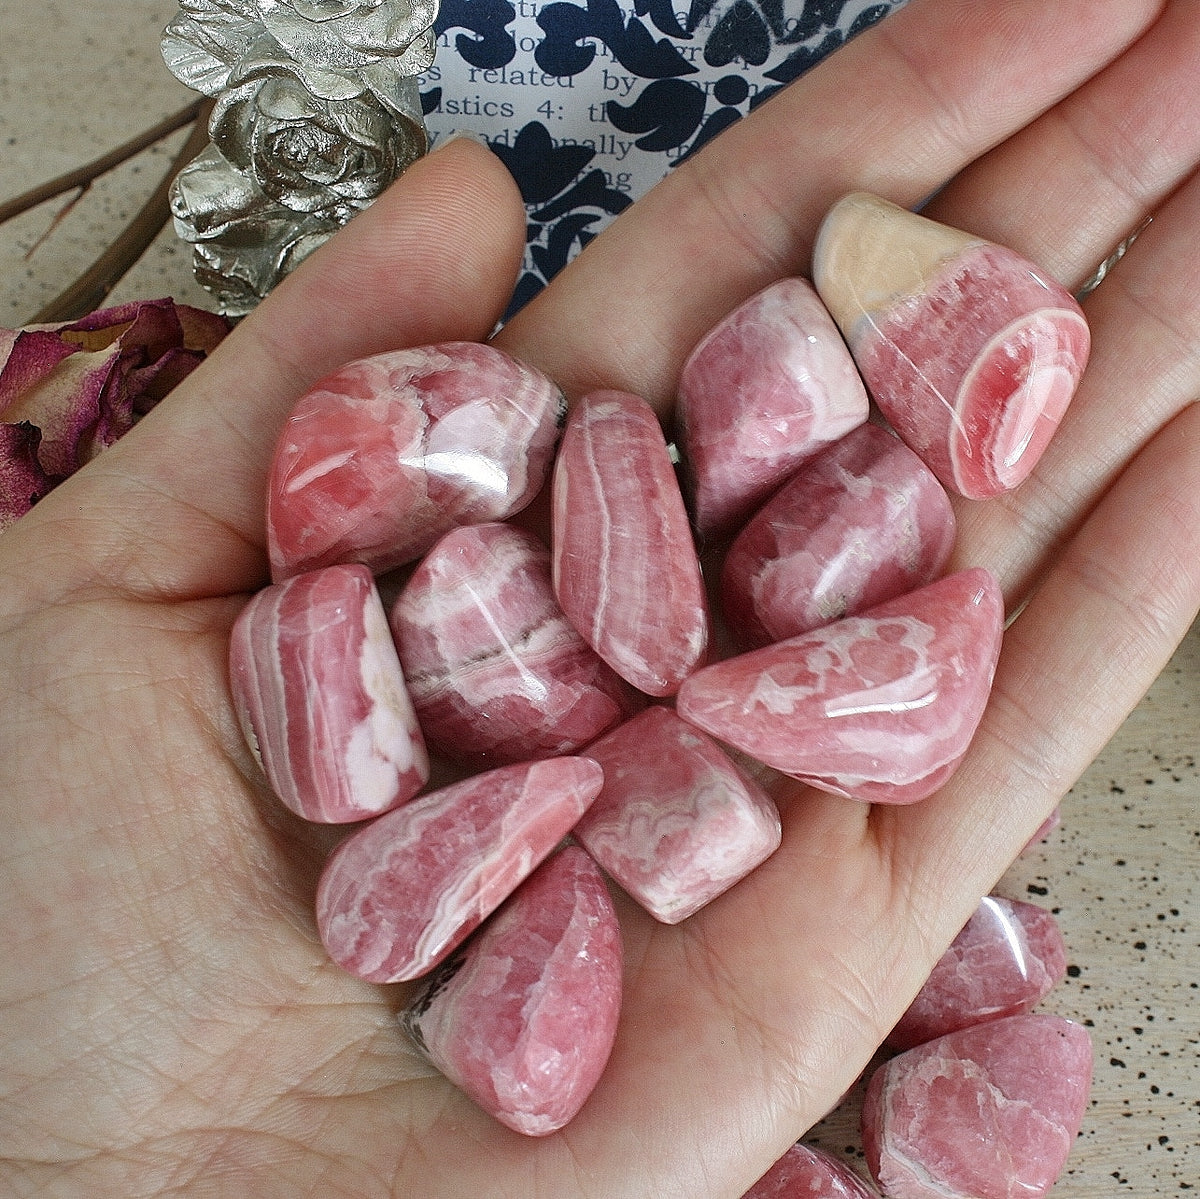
{"x": 863, "y": 669}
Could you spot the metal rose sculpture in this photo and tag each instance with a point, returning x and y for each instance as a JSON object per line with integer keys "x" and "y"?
{"x": 316, "y": 112}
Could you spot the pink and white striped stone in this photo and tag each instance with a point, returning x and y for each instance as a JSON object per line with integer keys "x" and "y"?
{"x": 404, "y": 891}
{"x": 676, "y": 823}
{"x": 861, "y": 522}
{"x": 766, "y": 388}
{"x": 970, "y": 351}
{"x": 988, "y": 1112}
{"x": 381, "y": 458}
{"x": 879, "y": 707}
{"x": 524, "y": 1019}
{"x": 624, "y": 567}
{"x": 1007, "y": 957}
{"x": 495, "y": 670}
{"x": 321, "y": 699}
{"x": 807, "y": 1173}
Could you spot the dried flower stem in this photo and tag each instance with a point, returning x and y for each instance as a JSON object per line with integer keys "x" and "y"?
{"x": 90, "y": 289}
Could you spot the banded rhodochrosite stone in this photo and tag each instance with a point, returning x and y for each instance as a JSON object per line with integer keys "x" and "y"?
{"x": 1007, "y": 957}
{"x": 624, "y": 566}
{"x": 523, "y": 1020}
{"x": 861, "y": 522}
{"x": 676, "y": 823}
{"x": 768, "y": 386}
{"x": 807, "y": 1173}
{"x": 988, "y": 1112}
{"x": 381, "y": 458}
{"x": 495, "y": 670}
{"x": 320, "y": 696}
{"x": 971, "y": 352}
{"x": 879, "y": 707}
{"x": 404, "y": 891}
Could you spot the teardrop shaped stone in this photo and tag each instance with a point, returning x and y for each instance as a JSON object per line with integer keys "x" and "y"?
{"x": 988, "y": 1112}
{"x": 524, "y": 1018}
{"x": 879, "y": 707}
{"x": 970, "y": 350}
{"x": 405, "y": 890}
{"x": 382, "y": 457}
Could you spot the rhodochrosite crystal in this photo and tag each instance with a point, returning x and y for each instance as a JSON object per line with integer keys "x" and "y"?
{"x": 1008, "y": 956}
{"x": 861, "y": 522}
{"x": 406, "y": 889}
{"x": 624, "y": 567}
{"x": 970, "y": 351}
{"x": 381, "y": 458}
{"x": 988, "y": 1112}
{"x": 495, "y": 670}
{"x": 676, "y": 823}
{"x": 806, "y": 1173}
{"x": 879, "y": 707}
{"x": 523, "y": 1020}
{"x": 771, "y": 384}
{"x": 320, "y": 695}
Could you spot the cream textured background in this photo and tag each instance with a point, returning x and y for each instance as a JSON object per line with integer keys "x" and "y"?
{"x": 78, "y": 78}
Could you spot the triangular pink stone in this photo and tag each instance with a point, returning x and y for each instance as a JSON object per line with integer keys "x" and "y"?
{"x": 988, "y": 1112}
{"x": 879, "y": 707}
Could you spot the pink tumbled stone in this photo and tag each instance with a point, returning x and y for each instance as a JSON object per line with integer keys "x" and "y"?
{"x": 676, "y": 823}
{"x": 860, "y": 523}
{"x": 879, "y": 707}
{"x": 523, "y": 1020}
{"x": 971, "y": 352}
{"x": 320, "y": 696}
{"x": 988, "y": 1112}
{"x": 495, "y": 670}
{"x": 624, "y": 566}
{"x": 770, "y": 385}
{"x": 1007, "y": 957}
{"x": 401, "y": 893}
{"x": 381, "y": 458}
{"x": 807, "y": 1173}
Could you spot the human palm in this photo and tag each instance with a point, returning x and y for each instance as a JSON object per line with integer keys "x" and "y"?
{"x": 168, "y": 1020}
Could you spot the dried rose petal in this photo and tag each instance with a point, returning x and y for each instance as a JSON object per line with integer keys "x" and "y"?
{"x": 68, "y": 390}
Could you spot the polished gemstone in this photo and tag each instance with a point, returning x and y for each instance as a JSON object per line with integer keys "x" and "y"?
{"x": 768, "y": 386}
{"x": 321, "y": 698}
{"x": 676, "y": 823}
{"x": 624, "y": 566}
{"x": 381, "y": 458}
{"x": 524, "y": 1017}
{"x": 807, "y": 1173}
{"x": 988, "y": 1112}
{"x": 860, "y": 523}
{"x": 496, "y": 671}
{"x": 971, "y": 351}
{"x": 1007, "y": 957}
{"x": 879, "y": 707}
{"x": 405, "y": 890}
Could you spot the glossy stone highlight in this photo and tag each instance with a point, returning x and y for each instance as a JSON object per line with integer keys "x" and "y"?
{"x": 381, "y": 458}
{"x": 860, "y": 523}
{"x": 321, "y": 699}
{"x": 676, "y": 823}
{"x": 624, "y": 567}
{"x": 495, "y": 670}
{"x": 988, "y": 1112}
{"x": 523, "y": 1020}
{"x": 766, "y": 388}
{"x": 807, "y": 1173}
{"x": 1007, "y": 957}
{"x": 879, "y": 707}
{"x": 404, "y": 891}
{"x": 971, "y": 351}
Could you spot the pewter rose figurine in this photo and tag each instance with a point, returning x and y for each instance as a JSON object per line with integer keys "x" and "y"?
{"x": 317, "y": 111}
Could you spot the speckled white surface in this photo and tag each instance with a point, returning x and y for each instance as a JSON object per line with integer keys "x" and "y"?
{"x": 77, "y": 78}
